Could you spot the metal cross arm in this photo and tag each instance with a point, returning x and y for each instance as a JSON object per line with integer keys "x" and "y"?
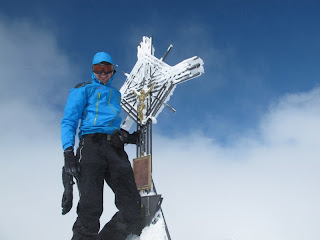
{"x": 150, "y": 70}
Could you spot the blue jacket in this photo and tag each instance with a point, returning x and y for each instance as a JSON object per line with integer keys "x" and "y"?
{"x": 98, "y": 107}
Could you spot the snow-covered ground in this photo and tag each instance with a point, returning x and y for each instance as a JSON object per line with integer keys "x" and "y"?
{"x": 155, "y": 231}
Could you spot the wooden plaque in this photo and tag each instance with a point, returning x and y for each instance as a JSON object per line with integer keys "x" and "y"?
{"x": 142, "y": 172}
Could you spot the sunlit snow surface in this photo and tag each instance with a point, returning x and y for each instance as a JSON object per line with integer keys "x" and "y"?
{"x": 156, "y": 231}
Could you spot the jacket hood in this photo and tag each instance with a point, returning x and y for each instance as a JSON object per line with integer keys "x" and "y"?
{"x": 98, "y": 58}
{"x": 102, "y": 57}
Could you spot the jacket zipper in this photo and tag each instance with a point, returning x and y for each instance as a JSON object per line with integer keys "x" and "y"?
{"x": 112, "y": 108}
{"x": 97, "y": 108}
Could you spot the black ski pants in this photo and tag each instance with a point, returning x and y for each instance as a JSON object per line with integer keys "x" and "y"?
{"x": 100, "y": 161}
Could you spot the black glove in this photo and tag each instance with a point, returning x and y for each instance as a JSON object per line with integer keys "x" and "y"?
{"x": 71, "y": 164}
{"x": 134, "y": 138}
{"x": 67, "y": 197}
{"x": 117, "y": 140}
{"x": 120, "y": 137}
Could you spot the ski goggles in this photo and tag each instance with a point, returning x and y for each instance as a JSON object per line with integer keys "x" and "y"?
{"x": 100, "y": 68}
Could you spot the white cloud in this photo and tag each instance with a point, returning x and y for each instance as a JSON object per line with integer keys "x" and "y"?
{"x": 263, "y": 186}
{"x": 34, "y": 78}
{"x": 32, "y": 67}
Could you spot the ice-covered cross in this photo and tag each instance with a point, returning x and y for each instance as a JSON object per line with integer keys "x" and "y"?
{"x": 151, "y": 71}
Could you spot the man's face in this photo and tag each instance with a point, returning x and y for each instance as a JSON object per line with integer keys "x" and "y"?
{"x": 103, "y": 72}
{"x": 103, "y": 77}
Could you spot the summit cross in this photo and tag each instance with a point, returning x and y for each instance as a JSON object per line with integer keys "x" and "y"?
{"x": 145, "y": 93}
{"x": 151, "y": 71}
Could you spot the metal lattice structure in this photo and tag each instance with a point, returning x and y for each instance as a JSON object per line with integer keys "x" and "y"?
{"x": 150, "y": 70}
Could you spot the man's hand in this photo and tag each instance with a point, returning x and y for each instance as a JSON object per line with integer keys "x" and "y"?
{"x": 71, "y": 164}
{"x": 134, "y": 138}
{"x": 67, "y": 197}
{"x": 121, "y": 137}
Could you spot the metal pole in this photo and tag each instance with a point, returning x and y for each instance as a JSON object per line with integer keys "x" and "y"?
{"x": 167, "y": 52}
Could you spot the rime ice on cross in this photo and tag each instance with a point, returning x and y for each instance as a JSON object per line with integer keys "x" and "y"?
{"x": 150, "y": 70}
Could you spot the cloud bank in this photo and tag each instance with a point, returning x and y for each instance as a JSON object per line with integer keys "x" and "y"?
{"x": 263, "y": 185}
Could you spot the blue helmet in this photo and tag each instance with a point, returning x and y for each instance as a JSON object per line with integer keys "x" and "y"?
{"x": 102, "y": 57}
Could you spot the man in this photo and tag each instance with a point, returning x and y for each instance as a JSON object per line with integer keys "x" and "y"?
{"x": 100, "y": 157}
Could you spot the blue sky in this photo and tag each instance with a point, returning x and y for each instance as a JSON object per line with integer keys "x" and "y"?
{"x": 254, "y": 51}
{"x": 245, "y": 133}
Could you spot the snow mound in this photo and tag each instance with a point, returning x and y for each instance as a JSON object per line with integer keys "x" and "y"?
{"x": 156, "y": 230}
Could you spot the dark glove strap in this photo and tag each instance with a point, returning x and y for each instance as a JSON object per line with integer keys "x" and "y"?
{"x": 68, "y": 151}
{"x": 69, "y": 157}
